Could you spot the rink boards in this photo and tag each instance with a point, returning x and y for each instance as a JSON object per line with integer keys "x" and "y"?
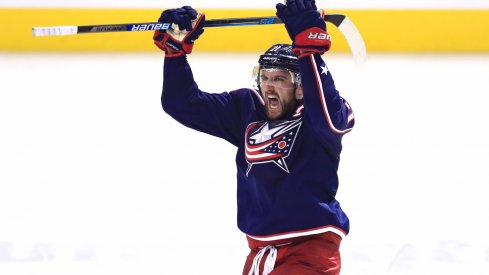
{"x": 384, "y": 30}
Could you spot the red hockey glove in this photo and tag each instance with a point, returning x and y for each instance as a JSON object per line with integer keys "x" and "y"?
{"x": 305, "y": 25}
{"x": 186, "y": 26}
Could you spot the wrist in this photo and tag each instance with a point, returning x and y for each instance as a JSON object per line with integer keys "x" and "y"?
{"x": 173, "y": 53}
{"x": 300, "y": 53}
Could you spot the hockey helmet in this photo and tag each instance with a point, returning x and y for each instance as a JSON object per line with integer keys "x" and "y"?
{"x": 279, "y": 56}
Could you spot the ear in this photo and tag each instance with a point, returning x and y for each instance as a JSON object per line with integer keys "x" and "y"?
{"x": 298, "y": 92}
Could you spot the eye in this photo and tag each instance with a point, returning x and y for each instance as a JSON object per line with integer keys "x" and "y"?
{"x": 278, "y": 79}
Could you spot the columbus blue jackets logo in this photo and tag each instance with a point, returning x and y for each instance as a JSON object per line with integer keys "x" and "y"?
{"x": 265, "y": 144}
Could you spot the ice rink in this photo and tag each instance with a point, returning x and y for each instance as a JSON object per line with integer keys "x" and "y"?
{"x": 96, "y": 179}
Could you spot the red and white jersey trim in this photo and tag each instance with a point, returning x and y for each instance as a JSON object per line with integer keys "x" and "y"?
{"x": 301, "y": 233}
{"x": 298, "y": 111}
{"x": 323, "y": 101}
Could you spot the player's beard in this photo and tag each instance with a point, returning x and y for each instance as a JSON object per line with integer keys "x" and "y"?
{"x": 279, "y": 108}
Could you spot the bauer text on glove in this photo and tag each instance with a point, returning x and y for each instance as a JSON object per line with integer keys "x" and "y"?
{"x": 305, "y": 26}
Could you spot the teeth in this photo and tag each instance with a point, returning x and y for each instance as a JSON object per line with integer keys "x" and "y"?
{"x": 272, "y": 101}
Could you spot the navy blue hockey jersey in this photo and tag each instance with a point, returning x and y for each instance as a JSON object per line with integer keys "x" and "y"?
{"x": 286, "y": 170}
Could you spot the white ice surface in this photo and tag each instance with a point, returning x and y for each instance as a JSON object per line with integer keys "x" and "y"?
{"x": 96, "y": 179}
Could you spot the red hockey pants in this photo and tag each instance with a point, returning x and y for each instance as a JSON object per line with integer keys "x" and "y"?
{"x": 311, "y": 255}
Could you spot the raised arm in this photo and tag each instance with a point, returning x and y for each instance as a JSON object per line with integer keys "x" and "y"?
{"x": 329, "y": 115}
{"x": 211, "y": 113}
{"x": 215, "y": 114}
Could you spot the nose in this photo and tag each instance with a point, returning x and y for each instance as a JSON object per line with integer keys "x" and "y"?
{"x": 267, "y": 87}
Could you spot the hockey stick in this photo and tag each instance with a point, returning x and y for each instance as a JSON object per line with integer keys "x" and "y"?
{"x": 343, "y": 23}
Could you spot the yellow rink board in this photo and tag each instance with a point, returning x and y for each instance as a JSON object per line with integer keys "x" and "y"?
{"x": 383, "y": 30}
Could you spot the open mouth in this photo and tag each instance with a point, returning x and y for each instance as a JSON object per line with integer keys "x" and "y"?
{"x": 273, "y": 102}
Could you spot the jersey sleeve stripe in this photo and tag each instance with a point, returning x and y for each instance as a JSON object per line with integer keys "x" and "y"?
{"x": 320, "y": 91}
{"x": 351, "y": 116}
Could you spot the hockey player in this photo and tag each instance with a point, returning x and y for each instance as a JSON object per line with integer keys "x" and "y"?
{"x": 288, "y": 136}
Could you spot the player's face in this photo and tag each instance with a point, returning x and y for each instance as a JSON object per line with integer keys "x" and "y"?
{"x": 279, "y": 92}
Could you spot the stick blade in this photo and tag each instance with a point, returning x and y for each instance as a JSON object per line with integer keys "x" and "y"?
{"x": 354, "y": 40}
{"x": 54, "y": 31}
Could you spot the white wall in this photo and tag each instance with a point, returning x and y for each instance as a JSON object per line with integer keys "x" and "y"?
{"x": 248, "y": 4}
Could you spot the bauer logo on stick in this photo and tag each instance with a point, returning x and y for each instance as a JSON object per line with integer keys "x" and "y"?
{"x": 150, "y": 27}
{"x": 343, "y": 23}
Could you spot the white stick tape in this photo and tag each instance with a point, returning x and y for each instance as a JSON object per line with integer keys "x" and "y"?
{"x": 53, "y": 31}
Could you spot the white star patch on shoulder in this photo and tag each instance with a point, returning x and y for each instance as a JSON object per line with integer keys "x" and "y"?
{"x": 325, "y": 70}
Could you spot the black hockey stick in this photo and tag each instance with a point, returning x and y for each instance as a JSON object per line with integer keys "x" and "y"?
{"x": 335, "y": 19}
{"x": 343, "y": 23}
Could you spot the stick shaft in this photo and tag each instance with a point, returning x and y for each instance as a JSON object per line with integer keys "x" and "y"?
{"x": 335, "y": 19}
{"x": 343, "y": 23}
